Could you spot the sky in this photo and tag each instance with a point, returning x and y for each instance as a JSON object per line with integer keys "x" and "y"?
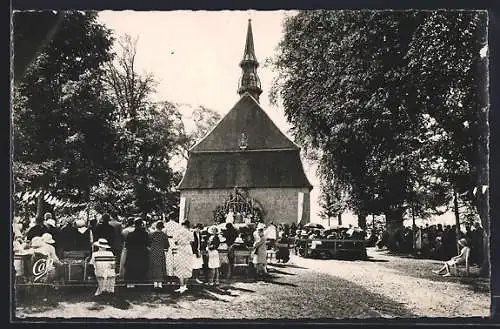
{"x": 194, "y": 56}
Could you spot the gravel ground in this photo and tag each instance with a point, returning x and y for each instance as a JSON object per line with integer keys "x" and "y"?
{"x": 384, "y": 286}
{"x": 410, "y": 282}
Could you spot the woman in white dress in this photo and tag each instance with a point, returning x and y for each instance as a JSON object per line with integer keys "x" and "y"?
{"x": 103, "y": 261}
{"x": 461, "y": 258}
{"x": 171, "y": 229}
{"x": 183, "y": 258}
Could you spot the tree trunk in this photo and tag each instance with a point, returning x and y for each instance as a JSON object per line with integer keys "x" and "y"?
{"x": 413, "y": 230}
{"x": 482, "y": 199}
{"x": 362, "y": 220}
{"x": 483, "y": 210}
{"x": 41, "y": 205}
{"x": 26, "y": 214}
{"x": 394, "y": 225}
{"x": 457, "y": 218}
{"x": 339, "y": 217}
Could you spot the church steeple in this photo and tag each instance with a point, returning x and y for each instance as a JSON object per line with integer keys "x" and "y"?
{"x": 249, "y": 81}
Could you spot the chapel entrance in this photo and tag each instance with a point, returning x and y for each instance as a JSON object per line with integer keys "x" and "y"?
{"x": 239, "y": 205}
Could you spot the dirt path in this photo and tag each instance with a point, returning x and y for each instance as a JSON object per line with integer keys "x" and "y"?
{"x": 383, "y": 286}
{"x": 425, "y": 297}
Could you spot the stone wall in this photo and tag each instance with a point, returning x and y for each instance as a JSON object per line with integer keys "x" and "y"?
{"x": 280, "y": 204}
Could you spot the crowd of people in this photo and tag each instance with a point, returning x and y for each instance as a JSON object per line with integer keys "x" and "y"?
{"x": 141, "y": 252}
{"x": 138, "y": 251}
{"x": 435, "y": 241}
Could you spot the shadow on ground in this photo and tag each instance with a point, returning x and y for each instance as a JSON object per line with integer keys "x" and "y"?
{"x": 41, "y": 299}
{"x": 289, "y": 265}
{"x": 351, "y": 258}
{"x": 295, "y": 295}
{"x": 374, "y": 260}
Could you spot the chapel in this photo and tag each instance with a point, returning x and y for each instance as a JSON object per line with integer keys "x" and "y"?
{"x": 245, "y": 167}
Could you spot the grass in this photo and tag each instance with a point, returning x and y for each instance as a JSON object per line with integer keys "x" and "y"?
{"x": 422, "y": 268}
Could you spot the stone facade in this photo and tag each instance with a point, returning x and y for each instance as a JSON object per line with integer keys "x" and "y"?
{"x": 280, "y": 204}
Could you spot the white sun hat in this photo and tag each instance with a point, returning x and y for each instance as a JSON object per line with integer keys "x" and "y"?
{"x": 102, "y": 243}
{"x": 47, "y": 238}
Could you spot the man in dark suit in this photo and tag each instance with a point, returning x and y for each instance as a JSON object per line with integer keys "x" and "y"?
{"x": 39, "y": 229}
{"x": 106, "y": 231}
{"x": 198, "y": 259}
{"x": 66, "y": 238}
{"x": 117, "y": 227}
{"x": 118, "y": 239}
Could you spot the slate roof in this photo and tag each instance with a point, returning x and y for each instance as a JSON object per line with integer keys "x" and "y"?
{"x": 250, "y": 169}
{"x": 245, "y": 117}
{"x": 270, "y": 159}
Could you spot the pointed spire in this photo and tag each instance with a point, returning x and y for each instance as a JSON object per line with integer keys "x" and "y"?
{"x": 249, "y": 54}
{"x": 249, "y": 81}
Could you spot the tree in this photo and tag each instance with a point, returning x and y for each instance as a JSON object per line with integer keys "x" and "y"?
{"x": 395, "y": 101}
{"x": 334, "y": 197}
{"x": 148, "y": 134}
{"x": 30, "y": 41}
{"x": 448, "y": 67}
{"x": 61, "y": 117}
{"x": 204, "y": 120}
{"x": 342, "y": 85}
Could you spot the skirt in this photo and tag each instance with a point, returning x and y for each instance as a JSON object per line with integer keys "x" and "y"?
{"x": 213, "y": 259}
{"x": 183, "y": 262}
{"x": 169, "y": 262}
{"x": 105, "y": 285}
{"x": 197, "y": 262}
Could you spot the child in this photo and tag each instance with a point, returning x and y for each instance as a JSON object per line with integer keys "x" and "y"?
{"x": 213, "y": 256}
{"x": 223, "y": 250}
{"x": 103, "y": 261}
{"x": 260, "y": 253}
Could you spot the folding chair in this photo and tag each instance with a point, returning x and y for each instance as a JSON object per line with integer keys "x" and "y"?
{"x": 270, "y": 256}
{"x": 242, "y": 260}
{"x": 76, "y": 265}
{"x": 455, "y": 266}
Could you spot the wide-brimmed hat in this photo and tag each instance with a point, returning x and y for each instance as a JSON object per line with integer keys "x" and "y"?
{"x": 80, "y": 223}
{"x": 102, "y": 243}
{"x": 37, "y": 242}
{"x": 462, "y": 242}
{"x": 47, "y": 238}
{"x": 213, "y": 230}
{"x": 50, "y": 222}
{"x": 239, "y": 240}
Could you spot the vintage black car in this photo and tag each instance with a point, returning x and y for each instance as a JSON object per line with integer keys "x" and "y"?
{"x": 333, "y": 242}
